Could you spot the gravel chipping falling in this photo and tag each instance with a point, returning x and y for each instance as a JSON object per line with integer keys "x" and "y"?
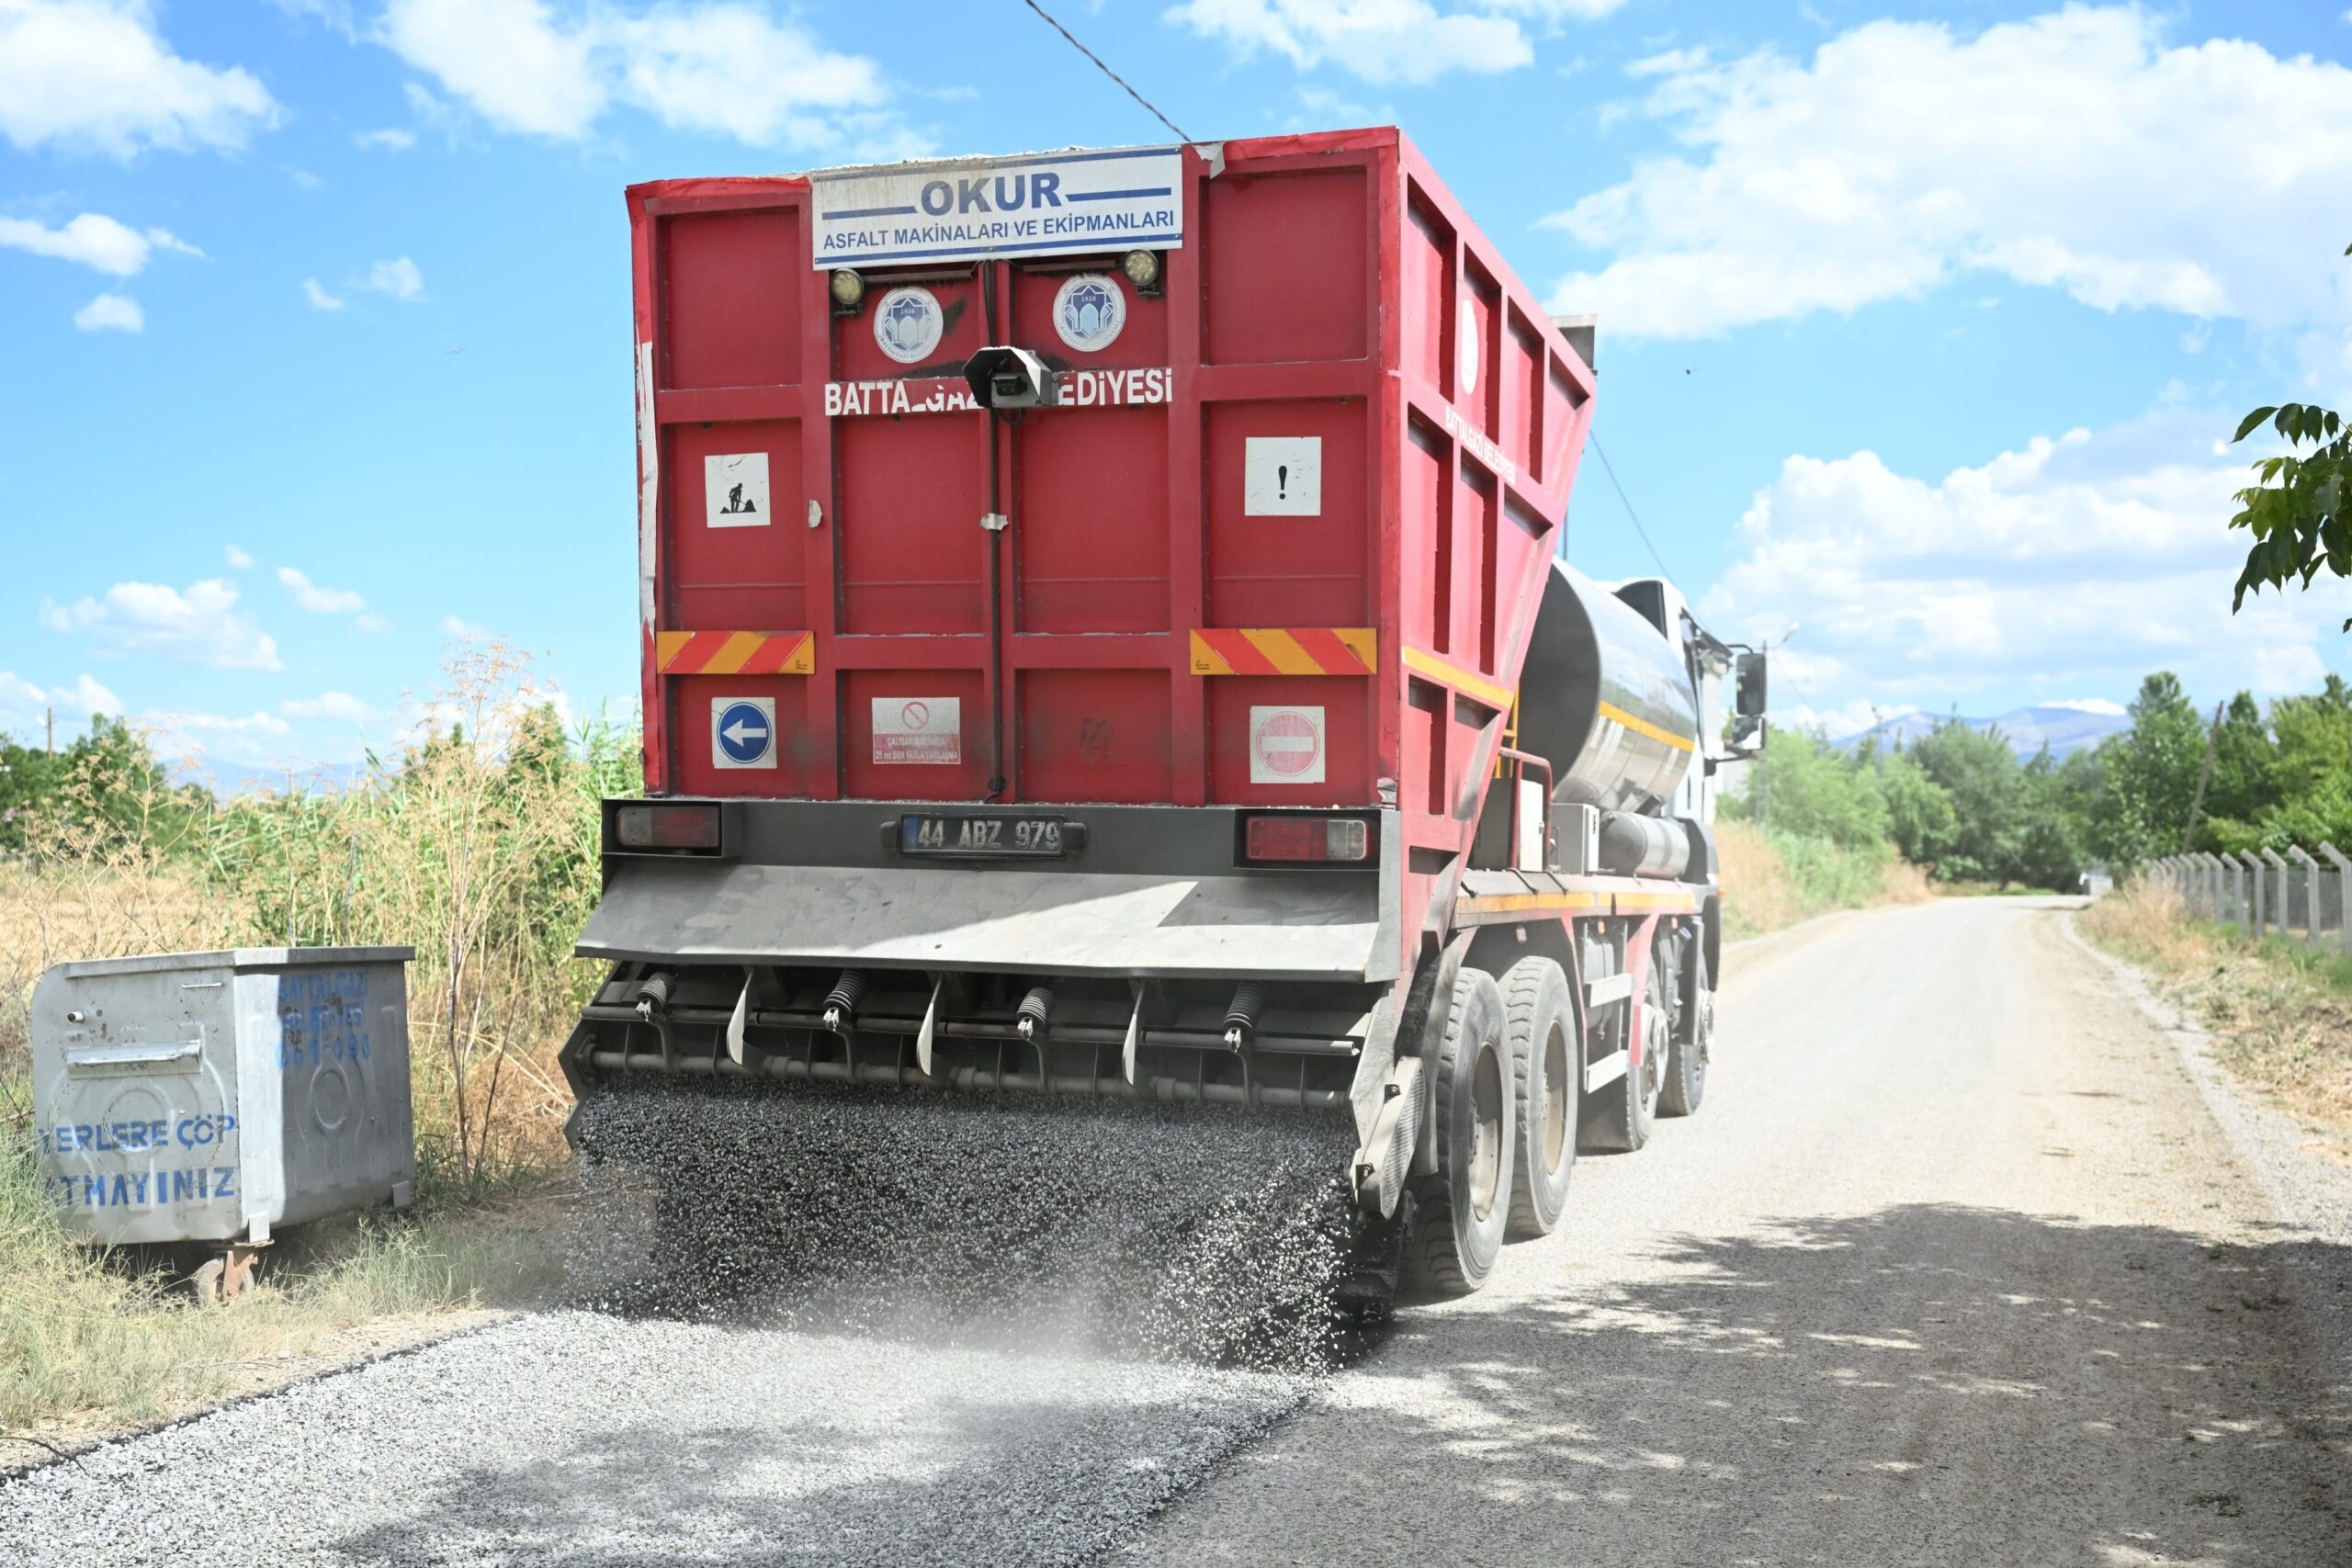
{"x": 810, "y": 1324}
{"x": 1203, "y": 1233}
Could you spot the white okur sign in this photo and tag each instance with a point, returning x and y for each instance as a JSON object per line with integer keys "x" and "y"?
{"x": 1039, "y": 204}
{"x": 918, "y": 729}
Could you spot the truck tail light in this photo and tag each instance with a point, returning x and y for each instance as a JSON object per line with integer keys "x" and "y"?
{"x": 666, "y": 827}
{"x": 1293, "y": 837}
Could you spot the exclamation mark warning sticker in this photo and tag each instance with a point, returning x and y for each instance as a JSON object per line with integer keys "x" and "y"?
{"x": 1281, "y": 476}
{"x": 735, "y": 490}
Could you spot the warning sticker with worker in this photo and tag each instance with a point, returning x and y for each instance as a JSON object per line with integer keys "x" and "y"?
{"x": 918, "y": 729}
{"x": 1286, "y": 745}
{"x": 735, "y": 490}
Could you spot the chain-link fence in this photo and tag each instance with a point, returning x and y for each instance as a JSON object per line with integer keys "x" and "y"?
{"x": 2300, "y": 892}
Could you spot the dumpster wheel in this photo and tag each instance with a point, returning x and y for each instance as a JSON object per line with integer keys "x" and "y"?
{"x": 226, "y": 1278}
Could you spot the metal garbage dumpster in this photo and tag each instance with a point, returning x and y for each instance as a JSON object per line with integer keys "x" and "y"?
{"x": 215, "y": 1096}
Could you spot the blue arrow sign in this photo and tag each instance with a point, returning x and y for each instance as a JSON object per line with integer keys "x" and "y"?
{"x": 744, "y": 732}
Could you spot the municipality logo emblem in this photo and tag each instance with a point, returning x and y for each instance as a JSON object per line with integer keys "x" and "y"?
{"x": 1089, "y": 311}
{"x": 908, "y": 324}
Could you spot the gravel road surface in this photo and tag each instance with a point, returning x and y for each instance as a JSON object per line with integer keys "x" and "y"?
{"x": 1955, "y": 1267}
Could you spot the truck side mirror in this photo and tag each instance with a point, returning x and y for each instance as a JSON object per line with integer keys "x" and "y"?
{"x": 1748, "y": 677}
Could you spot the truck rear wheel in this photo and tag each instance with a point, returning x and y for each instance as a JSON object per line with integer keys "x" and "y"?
{"x": 1542, "y": 1030}
{"x": 1694, "y": 1041}
{"x": 1618, "y": 1115}
{"x": 1462, "y": 1206}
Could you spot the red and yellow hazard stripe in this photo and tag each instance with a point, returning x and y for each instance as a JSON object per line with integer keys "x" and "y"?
{"x": 735, "y": 653}
{"x": 1285, "y": 650}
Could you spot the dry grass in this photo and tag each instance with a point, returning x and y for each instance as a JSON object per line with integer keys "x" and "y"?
{"x": 477, "y": 848}
{"x": 1772, "y": 880}
{"x": 2281, "y": 1014}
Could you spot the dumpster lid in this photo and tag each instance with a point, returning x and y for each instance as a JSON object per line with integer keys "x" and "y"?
{"x": 237, "y": 958}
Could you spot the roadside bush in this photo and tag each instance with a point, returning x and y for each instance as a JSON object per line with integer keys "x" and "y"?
{"x": 477, "y": 846}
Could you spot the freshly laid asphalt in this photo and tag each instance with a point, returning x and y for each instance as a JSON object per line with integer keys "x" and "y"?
{"x": 1956, "y": 1265}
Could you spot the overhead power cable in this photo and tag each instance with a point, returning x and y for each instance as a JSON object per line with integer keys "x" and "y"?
{"x": 1107, "y": 70}
{"x": 1593, "y": 438}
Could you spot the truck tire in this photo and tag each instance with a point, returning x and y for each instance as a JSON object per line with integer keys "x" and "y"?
{"x": 1694, "y": 1041}
{"x": 1618, "y": 1116}
{"x": 1547, "y": 1079}
{"x": 1462, "y": 1206}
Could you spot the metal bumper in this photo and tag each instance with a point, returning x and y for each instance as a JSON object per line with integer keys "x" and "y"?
{"x": 1155, "y": 894}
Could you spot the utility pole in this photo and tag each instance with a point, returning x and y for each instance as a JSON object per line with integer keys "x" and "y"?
{"x": 2205, "y": 772}
{"x": 1763, "y": 728}
{"x": 52, "y": 731}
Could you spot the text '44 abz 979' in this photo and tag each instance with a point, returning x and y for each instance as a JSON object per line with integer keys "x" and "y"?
{"x": 1107, "y": 632}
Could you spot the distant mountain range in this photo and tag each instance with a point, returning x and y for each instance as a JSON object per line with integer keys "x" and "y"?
{"x": 2063, "y": 727}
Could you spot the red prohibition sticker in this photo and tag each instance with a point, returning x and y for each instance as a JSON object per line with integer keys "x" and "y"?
{"x": 921, "y": 730}
{"x": 1286, "y": 745}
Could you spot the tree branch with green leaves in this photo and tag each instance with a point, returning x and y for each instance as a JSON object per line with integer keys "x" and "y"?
{"x": 2296, "y": 510}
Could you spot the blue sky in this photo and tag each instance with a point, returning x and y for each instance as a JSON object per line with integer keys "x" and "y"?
{"x": 1920, "y": 323}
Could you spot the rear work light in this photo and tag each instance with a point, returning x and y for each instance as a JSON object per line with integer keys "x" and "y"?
{"x": 666, "y": 827}
{"x": 1293, "y": 838}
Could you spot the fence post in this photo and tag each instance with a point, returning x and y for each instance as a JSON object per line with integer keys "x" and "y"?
{"x": 2252, "y": 864}
{"x": 2210, "y": 865}
{"x": 2241, "y": 900}
{"x": 2310, "y": 892}
{"x": 2279, "y": 913}
{"x": 2343, "y": 890}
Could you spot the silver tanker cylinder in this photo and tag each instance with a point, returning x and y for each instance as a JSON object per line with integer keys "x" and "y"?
{"x": 1606, "y": 698}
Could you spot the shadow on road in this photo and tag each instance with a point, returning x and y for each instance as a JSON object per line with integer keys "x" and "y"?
{"x": 1925, "y": 1383}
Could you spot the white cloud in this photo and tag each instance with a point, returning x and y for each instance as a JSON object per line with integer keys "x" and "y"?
{"x": 2099, "y": 705}
{"x": 392, "y": 139}
{"x": 1839, "y": 721}
{"x": 398, "y": 277}
{"x": 93, "y": 240}
{"x": 324, "y": 601}
{"x": 722, "y": 66}
{"x": 341, "y": 706}
{"x": 1408, "y": 42}
{"x": 111, "y": 313}
{"x": 197, "y": 737}
{"x": 2074, "y": 150}
{"x": 238, "y": 560}
{"x": 464, "y": 631}
{"x": 319, "y": 600}
{"x": 333, "y": 14}
{"x": 2083, "y": 562}
{"x": 94, "y": 75}
{"x": 200, "y": 624}
{"x": 87, "y": 695}
{"x": 319, "y": 298}
{"x": 27, "y": 706}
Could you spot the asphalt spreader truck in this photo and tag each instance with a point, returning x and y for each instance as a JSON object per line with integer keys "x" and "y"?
{"x": 1107, "y": 634}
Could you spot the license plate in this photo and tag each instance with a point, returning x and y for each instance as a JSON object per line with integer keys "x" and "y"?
{"x": 1009, "y": 834}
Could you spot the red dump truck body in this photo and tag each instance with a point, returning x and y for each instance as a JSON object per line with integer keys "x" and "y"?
{"x": 1085, "y": 598}
{"x": 1175, "y": 624}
